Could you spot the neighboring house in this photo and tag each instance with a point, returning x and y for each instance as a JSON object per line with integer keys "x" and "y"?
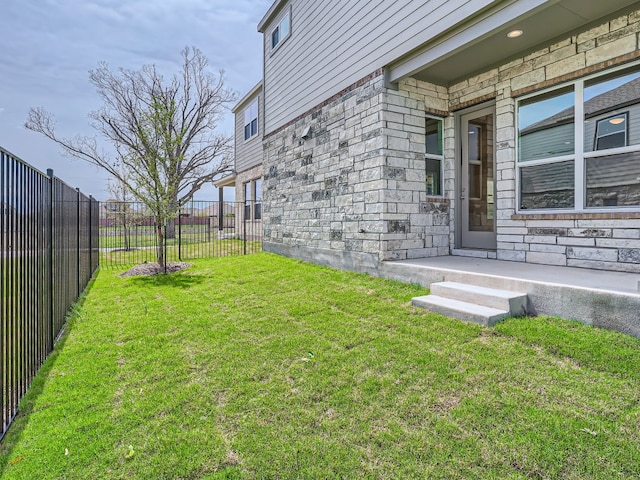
{"x": 496, "y": 129}
{"x": 247, "y": 176}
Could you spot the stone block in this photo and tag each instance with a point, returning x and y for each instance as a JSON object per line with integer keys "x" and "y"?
{"x": 511, "y": 255}
{"x": 555, "y": 55}
{"x": 589, "y": 232}
{"x": 528, "y": 79}
{"x": 562, "y": 67}
{"x": 600, "y": 254}
{"x": 626, "y": 233}
{"x": 629, "y": 255}
{"x": 576, "y": 241}
{"x": 618, "y": 242}
{"x": 610, "y": 50}
{"x": 593, "y": 33}
{"x": 546, "y": 248}
{"x": 545, "y": 258}
{"x": 510, "y": 238}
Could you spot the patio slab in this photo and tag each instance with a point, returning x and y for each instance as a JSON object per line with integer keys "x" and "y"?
{"x": 595, "y": 297}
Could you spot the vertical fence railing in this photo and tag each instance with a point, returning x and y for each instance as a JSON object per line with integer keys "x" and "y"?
{"x": 202, "y": 229}
{"x": 48, "y": 254}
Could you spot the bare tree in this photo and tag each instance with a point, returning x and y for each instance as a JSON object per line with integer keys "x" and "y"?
{"x": 164, "y": 133}
{"x": 118, "y": 208}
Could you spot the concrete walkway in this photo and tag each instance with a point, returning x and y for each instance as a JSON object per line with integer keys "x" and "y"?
{"x": 596, "y": 297}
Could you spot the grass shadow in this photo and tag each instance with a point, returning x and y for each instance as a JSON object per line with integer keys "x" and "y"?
{"x": 176, "y": 280}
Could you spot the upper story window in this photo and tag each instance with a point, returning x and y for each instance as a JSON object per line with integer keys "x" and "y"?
{"x": 281, "y": 32}
{"x": 612, "y": 132}
{"x": 579, "y": 144}
{"x": 434, "y": 157}
{"x": 251, "y": 120}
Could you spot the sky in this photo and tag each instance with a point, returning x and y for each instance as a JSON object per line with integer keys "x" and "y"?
{"x": 47, "y": 48}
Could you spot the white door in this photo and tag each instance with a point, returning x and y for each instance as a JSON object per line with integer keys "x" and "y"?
{"x": 477, "y": 186}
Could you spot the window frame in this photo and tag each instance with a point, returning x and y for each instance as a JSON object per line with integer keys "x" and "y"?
{"x": 432, "y": 156}
{"x": 277, "y": 29}
{"x": 579, "y": 156}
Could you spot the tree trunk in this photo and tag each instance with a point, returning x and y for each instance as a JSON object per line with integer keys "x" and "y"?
{"x": 171, "y": 221}
{"x": 160, "y": 245}
{"x": 171, "y": 228}
{"x": 127, "y": 236}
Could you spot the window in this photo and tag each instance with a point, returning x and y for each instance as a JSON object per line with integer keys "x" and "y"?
{"x": 281, "y": 32}
{"x": 612, "y": 132}
{"x": 251, "y": 120}
{"x": 579, "y": 145}
{"x": 257, "y": 195}
{"x": 247, "y": 200}
{"x": 434, "y": 157}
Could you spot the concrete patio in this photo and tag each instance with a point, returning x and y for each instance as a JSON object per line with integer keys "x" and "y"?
{"x": 595, "y": 297}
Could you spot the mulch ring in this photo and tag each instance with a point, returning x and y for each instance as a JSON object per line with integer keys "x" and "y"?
{"x": 147, "y": 269}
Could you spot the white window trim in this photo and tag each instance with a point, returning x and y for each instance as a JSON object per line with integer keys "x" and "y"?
{"x": 277, "y": 27}
{"x": 431, "y": 156}
{"x": 579, "y": 157}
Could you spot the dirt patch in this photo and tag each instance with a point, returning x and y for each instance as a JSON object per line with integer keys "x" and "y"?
{"x": 146, "y": 269}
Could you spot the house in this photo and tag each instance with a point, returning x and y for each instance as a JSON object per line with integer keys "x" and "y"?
{"x": 493, "y": 129}
{"x": 247, "y": 175}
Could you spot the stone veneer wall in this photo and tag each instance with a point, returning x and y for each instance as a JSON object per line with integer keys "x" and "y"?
{"x": 324, "y": 192}
{"x": 357, "y": 185}
{"x": 595, "y": 240}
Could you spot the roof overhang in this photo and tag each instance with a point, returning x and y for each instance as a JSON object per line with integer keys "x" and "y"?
{"x": 273, "y": 10}
{"x": 480, "y": 43}
{"x": 228, "y": 181}
{"x": 248, "y": 96}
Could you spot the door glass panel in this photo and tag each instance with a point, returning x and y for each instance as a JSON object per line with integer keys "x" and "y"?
{"x": 480, "y": 160}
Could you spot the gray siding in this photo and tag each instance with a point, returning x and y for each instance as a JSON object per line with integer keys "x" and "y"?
{"x": 248, "y": 153}
{"x": 633, "y": 131}
{"x": 551, "y": 142}
{"x": 547, "y": 143}
{"x": 335, "y": 43}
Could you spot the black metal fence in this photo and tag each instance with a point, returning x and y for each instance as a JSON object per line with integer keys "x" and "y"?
{"x": 203, "y": 229}
{"x": 48, "y": 254}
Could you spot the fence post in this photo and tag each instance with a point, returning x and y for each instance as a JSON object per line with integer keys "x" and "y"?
{"x": 50, "y": 266}
{"x": 180, "y": 234}
{"x": 90, "y": 235}
{"x": 244, "y": 229}
{"x": 78, "y": 287}
{"x": 220, "y": 209}
{"x": 164, "y": 234}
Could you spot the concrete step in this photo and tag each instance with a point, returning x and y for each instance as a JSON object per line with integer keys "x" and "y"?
{"x": 470, "y": 312}
{"x": 513, "y": 302}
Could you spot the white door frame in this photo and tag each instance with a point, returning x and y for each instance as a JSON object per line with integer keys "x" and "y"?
{"x": 484, "y": 240}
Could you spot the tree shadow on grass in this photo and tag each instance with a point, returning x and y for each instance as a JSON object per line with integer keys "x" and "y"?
{"x": 177, "y": 280}
{"x": 27, "y": 403}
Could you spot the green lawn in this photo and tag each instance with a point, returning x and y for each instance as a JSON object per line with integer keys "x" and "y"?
{"x": 266, "y": 367}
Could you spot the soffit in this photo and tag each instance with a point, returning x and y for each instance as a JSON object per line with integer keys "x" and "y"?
{"x": 482, "y": 44}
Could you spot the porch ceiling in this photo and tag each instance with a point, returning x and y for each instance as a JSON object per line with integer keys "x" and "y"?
{"x": 482, "y": 43}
